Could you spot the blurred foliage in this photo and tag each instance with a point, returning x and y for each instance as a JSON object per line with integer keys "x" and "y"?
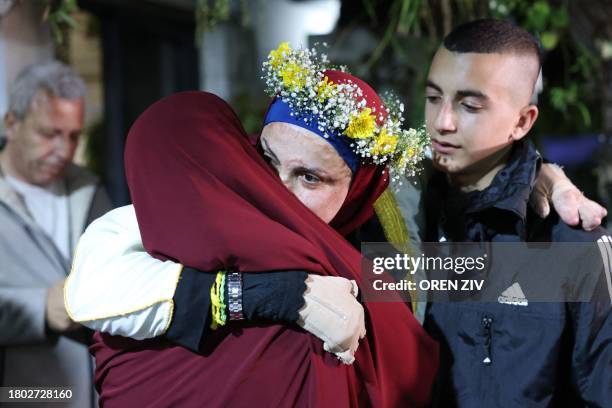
{"x": 59, "y": 14}
{"x": 408, "y": 32}
{"x": 251, "y": 109}
{"x": 209, "y": 13}
{"x": 571, "y": 94}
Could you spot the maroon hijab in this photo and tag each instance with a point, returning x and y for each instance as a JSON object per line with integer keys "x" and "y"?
{"x": 205, "y": 198}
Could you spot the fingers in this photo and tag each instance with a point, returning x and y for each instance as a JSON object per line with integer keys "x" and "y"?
{"x": 591, "y": 213}
{"x": 354, "y": 288}
{"x": 342, "y": 283}
{"x": 331, "y": 348}
{"x": 347, "y": 357}
{"x": 539, "y": 203}
{"x": 336, "y": 281}
{"x": 362, "y": 328}
{"x": 573, "y": 207}
{"x": 566, "y": 202}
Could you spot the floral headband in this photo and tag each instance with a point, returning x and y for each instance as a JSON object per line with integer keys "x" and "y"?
{"x": 342, "y": 110}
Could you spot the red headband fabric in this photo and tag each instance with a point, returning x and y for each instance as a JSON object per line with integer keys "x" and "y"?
{"x": 369, "y": 181}
{"x": 205, "y": 198}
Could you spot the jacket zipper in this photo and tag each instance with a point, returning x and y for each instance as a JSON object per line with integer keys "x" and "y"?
{"x": 487, "y": 321}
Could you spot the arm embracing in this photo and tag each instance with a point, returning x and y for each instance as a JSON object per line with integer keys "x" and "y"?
{"x": 114, "y": 285}
{"x": 553, "y": 186}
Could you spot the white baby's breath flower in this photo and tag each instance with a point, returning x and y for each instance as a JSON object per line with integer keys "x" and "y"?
{"x": 298, "y": 77}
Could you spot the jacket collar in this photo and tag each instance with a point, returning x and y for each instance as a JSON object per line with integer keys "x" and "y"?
{"x": 509, "y": 191}
{"x": 80, "y": 188}
{"x": 511, "y": 186}
{"x": 13, "y": 200}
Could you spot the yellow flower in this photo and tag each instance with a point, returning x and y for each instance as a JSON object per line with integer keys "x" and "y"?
{"x": 361, "y": 126}
{"x": 294, "y": 76}
{"x": 385, "y": 143}
{"x": 325, "y": 89}
{"x": 406, "y": 157}
{"x": 276, "y": 56}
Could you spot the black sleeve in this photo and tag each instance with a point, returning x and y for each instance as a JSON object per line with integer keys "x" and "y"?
{"x": 191, "y": 317}
{"x": 273, "y": 296}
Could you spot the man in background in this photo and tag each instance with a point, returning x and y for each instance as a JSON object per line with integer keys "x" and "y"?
{"x": 46, "y": 201}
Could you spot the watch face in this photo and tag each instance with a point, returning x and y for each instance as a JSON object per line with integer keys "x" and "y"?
{"x": 234, "y": 290}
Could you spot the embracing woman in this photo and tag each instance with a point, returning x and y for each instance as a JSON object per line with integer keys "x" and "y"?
{"x": 249, "y": 237}
{"x": 205, "y": 196}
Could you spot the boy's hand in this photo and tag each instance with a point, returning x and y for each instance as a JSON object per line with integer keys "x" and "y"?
{"x": 552, "y": 185}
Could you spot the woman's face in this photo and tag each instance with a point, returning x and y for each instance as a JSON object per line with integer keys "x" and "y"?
{"x": 308, "y": 166}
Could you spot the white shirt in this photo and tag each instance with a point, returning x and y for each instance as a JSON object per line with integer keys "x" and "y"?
{"x": 49, "y": 208}
{"x": 115, "y": 286}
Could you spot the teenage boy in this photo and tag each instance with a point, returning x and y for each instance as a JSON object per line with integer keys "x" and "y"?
{"x": 478, "y": 112}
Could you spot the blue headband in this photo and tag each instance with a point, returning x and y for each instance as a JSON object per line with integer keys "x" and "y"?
{"x": 281, "y": 112}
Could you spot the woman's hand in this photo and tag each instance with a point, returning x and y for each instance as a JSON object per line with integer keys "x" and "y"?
{"x": 332, "y": 313}
{"x": 552, "y": 185}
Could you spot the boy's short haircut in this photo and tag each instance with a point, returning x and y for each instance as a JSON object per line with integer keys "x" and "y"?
{"x": 487, "y": 36}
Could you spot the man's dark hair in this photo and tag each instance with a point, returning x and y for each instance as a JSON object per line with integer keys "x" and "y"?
{"x": 489, "y": 36}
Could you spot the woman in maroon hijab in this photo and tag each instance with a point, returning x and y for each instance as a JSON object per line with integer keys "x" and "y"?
{"x": 205, "y": 197}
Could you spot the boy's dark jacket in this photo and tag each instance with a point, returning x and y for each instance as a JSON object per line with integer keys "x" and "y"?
{"x": 501, "y": 355}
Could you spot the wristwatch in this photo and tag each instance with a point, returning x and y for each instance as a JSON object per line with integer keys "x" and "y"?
{"x": 234, "y": 294}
